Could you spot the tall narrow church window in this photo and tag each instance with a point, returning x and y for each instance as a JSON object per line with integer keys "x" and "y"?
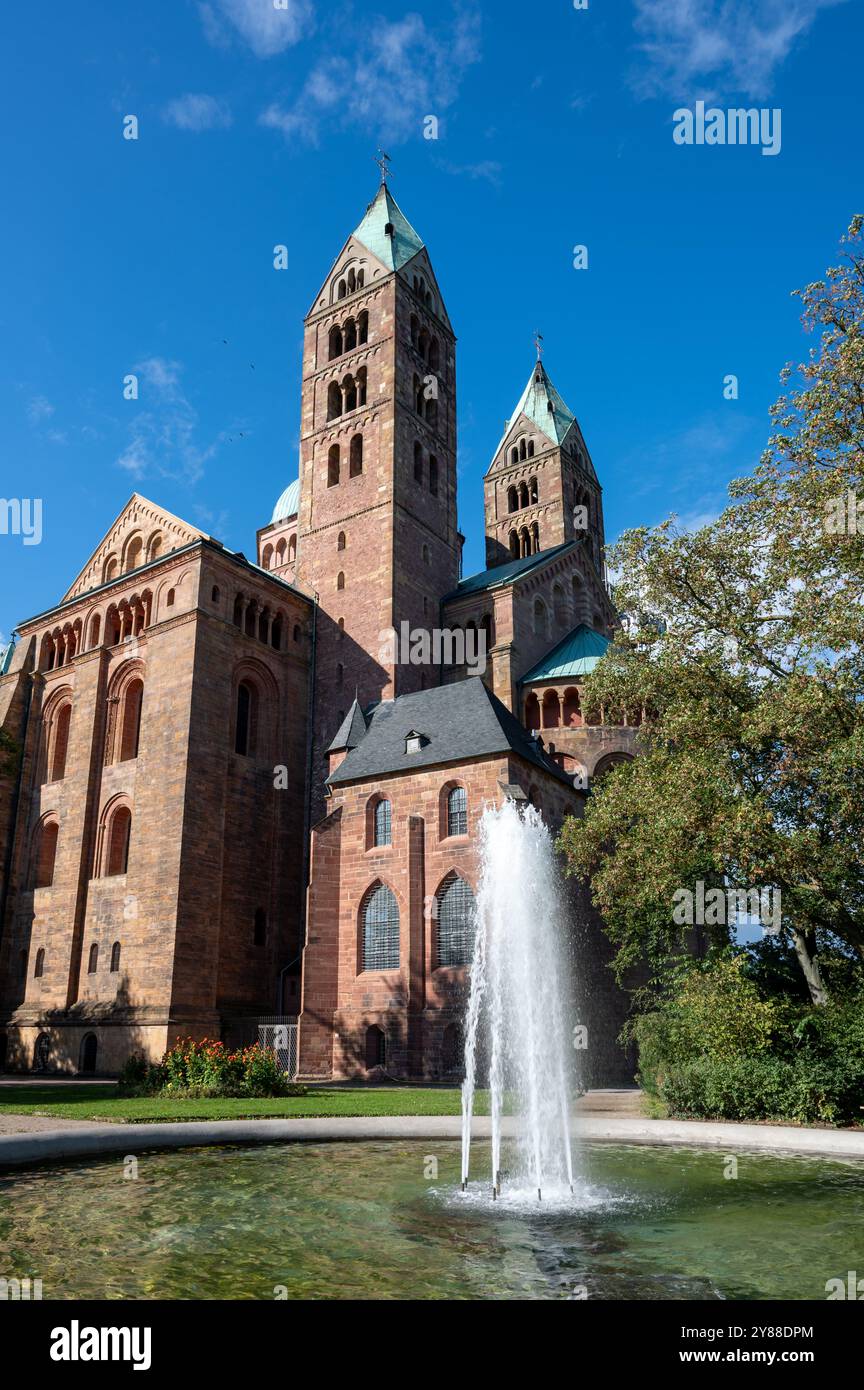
{"x": 238, "y": 611}
{"x": 383, "y": 824}
{"x": 340, "y": 580}
{"x": 349, "y": 394}
{"x": 59, "y": 742}
{"x": 115, "y": 958}
{"x": 456, "y": 922}
{"x": 352, "y": 281}
{"x": 535, "y": 537}
{"x": 361, "y": 386}
{"x": 342, "y": 290}
{"x": 131, "y": 727}
{"x": 334, "y": 347}
{"x": 540, "y": 626}
{"x": 380, "y": 919}
{"x": 119, "y": 831}
{"x": 245, "y": 730}
{"x": 267, "y": 557}
{"x": 39, "y": 971}
{"x": 523, "y": 494}
{"x": 532, "y": 485}
{"x": 457, "y": 811}
{"x": 340, "y": 541}
{"x": 94, "y": 631}
{"x": 514, "y": 455}
{"x": 361, "y": 279}
{"x": 512, "y": 499}
{"x": 514, "y": 545}
{"x": 46, "y": 853}
{"x": 355, "y": 467}
{"x": 531, "y": 453}
{"x": 276, "y": 633}
{"x": 363, "y": 328}
{"x": 292, "y": 550}
{"x": 93, "y": 960}
{"x": 433, "y": 475}
{"x": 333, "y": 466}
{"x": 334, "y": 400}
{"x": 350, "y": 339}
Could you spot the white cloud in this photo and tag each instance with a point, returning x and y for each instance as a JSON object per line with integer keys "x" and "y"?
{"x": 488, "y": 169}
{"x": 705, "y": 47}
{"x": 398, "y": 73}
{"x": 39, "y": 408}
{"x": 264, "y": 28}
{"x": 197, "y": 111}
{"x": 162, "y": 435}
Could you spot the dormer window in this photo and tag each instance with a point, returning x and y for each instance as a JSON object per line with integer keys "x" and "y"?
{"x": 389, "y": 229}
{"x": 414, "y": 742}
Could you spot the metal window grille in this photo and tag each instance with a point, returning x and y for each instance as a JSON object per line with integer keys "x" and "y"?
{"x": 382, "y": 823}
{"x": 381, "y": 930}
{"x": 456, "y": 923}
{"x": 457, "y": 812}
{"x": 279, "y": 1035}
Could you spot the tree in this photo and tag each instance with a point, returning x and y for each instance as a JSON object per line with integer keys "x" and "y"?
{"x": 743, "y": 651}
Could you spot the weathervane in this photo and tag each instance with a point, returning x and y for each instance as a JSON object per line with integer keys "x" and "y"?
{"x": 538, "y": 343}
{"x": 383, "y": 162}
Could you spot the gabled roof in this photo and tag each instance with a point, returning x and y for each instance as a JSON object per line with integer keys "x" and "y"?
{"x": 459, "y": 721}
{"x": 351, "y": 731}
{"x": 139, "y": 517}
{"x": 575, "y": 655}
{"x": 506, "y": 574}
{"x": 396, "y": 250}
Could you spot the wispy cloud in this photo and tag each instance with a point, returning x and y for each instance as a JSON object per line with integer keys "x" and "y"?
{"x": 397, "y": 74}
{"x": 39, "y": 408}
{"x": 197, "y": 111}
{"x": 488, "y": 169}
{"x": 258, "y": 23}
{"x": 702, "y": 47}
{"x": 161, "y": 440}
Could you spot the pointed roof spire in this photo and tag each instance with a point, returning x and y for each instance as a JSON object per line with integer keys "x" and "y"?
{"x": 351, "y": 731}
{"x": 386, "y": 231}
{"x": 543, "y": 405}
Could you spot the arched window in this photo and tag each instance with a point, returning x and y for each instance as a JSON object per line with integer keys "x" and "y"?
{"x": 512, "y": 499}
{"x": 551, "y": 710}
{"x": 46, "y": 853}
{"x": 292, "y": 550}
{"x": 110, "y": 571}
{"x": 540, "y": 625}
{"x": 514, "y": 545}
{"x": 349, "y": 393}
{"x": 355, "y": 467}
{"x": 532, "y": 487}
{"x": 169, "y": 602}
{"x": 383, "y": 824}
{"x": 267, "y": 557}
{"x": 214, "y": 594}
{"x": 340, "y": 541}
{"x": 131, "y": 721}
{"x": 115, "y": 958}
{"x": 433, "y": 475}
{"x": 559, "y": 605}
{"x": 456, "y": 922}
{"x": 39, "y": 969}
{"x": 524, "y": 541}
{"x": 523, "y": 494}
{"x": 119, "y": 830}
{"x": 58, "y": 741}
{"x": 532, "y": 712}
{"x": 514, "y": 455}
{"x": 238, "y": 611}
{"x": 154, "y": 547}
{"x": 276, "y": 633}
{"x": 350, "y": 338}
{"x": 93, "y": 960}
{"x": 260, "y": 927}
{"x": 280, "y": 553}
{"x": 352, "y": 280}
{"x": 95, "y": 624}
{"x": 375, "y": 1048}
{"x": 134, "y": 553}
{"x": 245, "y": 729}
{"x": 457, "y": 811}
{"x": 535, "y": 537}
{"x": 333, "y": 465}
{"x": 335, "y": 342}
{"x": 334, "y": 400}
{"x": 522, "y": 449}
{"x": 380, "y": 925}
{"x": 531, "y": 455}
{"x": 340, "y": 580}
{"x": 572, "y": 712}
{"x": 342, "y": 290}
{"x": 363, "y": 327}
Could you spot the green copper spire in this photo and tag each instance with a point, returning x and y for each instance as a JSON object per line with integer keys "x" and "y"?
{"x": 396, "y": 246}
{"x": 544, "y": 407}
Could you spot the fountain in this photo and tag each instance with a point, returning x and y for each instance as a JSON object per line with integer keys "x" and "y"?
{"x": 518, "y": 1007}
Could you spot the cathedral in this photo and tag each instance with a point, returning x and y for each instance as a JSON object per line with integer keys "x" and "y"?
{"x": 239, "y": 791}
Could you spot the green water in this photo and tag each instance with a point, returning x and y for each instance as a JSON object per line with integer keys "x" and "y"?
{"x": 372, "y": 1221}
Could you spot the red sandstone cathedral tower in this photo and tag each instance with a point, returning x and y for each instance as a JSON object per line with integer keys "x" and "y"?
{"x": 377, "y": 540}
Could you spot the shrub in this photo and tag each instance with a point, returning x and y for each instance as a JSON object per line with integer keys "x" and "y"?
{"x": 208, "y": 1068}
{"x": 808, "y": 1090}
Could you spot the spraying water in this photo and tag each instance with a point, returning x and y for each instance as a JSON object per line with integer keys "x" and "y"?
{"x": 517, "y": 1023}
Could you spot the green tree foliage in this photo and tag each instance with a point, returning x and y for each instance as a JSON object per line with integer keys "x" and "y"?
{"x": 743, "y": 652}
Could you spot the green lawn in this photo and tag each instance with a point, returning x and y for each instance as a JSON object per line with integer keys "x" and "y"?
{"x": 102, "y": 1103}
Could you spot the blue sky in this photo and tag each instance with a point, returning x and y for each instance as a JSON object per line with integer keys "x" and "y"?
{"x": 258, "y": 126}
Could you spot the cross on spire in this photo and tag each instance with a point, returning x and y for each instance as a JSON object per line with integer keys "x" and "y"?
{"x": 383, "y": 162}
{"x": 538, "y": 343}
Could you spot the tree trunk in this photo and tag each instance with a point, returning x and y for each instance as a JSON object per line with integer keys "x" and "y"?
{"x": 805, "y": 950}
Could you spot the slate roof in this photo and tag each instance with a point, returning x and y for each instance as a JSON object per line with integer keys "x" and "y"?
{"x": 575, "y": 655}
{"x": 505, "y": 574}
{"x": 460, "y": 721}
{"x": 396, "y": 250}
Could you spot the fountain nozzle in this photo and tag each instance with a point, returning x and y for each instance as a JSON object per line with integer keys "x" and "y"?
{"x": 539, "y": 1195}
